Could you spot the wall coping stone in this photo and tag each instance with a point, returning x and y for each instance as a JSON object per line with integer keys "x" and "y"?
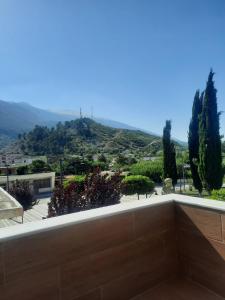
{"x": 31, "y": 228}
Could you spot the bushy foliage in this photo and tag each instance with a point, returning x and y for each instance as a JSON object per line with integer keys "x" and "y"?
{"x": 137, "y": 184}
{"x": 77, "y": 166}
{"x": 22, "y": 170}
{"x": 123, "y": 160}
{"x": 39, "y": 166}
{"x": 99, "y": 164}
{"x": 77, "y": 179}
{"x": 218, "y": 194}
{"x": 102, "y": 158}
{"x": 99, "y": 190}
{"x": 151, "y": 169}
{"x": 21, "y": 191}
{"x": 82, "y": 136}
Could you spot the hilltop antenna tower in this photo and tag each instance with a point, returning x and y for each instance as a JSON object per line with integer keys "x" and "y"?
{"x": 92, "y": 114}
{"x": 81, "y": 113}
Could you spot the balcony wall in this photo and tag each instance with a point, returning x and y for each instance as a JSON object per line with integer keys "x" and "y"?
{"x": 115, "y": 252}
{"x": 201, "y": 244}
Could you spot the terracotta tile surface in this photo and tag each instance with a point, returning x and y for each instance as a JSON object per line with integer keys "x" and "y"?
{"x": 210, "y": 253}
{"x": 91, "y": 237}
{"x": 126, "y": 287}
{"x": 201, "y": 221}
{"x": 26, "y": 256}
{"x": 152, "y": 220}
{"x": 179, "y": 290}
{"x": 223, "y": 226}
{"x": 120, "y": 257}
{"x": 94, "y": 295}
{"x": 212, "y": 278}
{"x": 39, "y": 285}
{"x": 92, "y": 271}
{"x": 1, "y": 266}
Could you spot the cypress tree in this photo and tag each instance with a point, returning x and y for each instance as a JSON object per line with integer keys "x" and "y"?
{"x": 193, "y": 140}
{"x": 210, "y": 156}
{"x": 173, "y": 164}
{"x": 169, "y": 154}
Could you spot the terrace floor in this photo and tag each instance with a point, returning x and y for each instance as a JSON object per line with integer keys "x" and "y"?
{"x": 179, "y": 290}
{"x": 36, "y": 213}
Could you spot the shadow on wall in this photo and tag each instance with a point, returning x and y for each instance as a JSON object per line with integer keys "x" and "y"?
{"x": 201, "y": 246}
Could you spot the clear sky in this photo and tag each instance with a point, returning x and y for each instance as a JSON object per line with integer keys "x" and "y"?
{"x": 135, "y": 61}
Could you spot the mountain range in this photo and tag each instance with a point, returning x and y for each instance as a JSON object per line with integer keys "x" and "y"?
{"x": 21, "y": 117}
{"x": 85, "y": 136}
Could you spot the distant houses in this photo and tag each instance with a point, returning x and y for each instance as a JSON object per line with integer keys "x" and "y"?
{"x": 10, "y": 162}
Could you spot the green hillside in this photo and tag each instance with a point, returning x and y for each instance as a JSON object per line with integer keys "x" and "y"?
{"x": 85, "y": 136}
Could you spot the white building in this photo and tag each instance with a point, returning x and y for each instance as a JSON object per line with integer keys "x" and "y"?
{"x": 39, "y": 183}
{"x": 16, "y": 160}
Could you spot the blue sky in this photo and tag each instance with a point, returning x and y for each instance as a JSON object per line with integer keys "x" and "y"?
{"x": 134, "y": 61}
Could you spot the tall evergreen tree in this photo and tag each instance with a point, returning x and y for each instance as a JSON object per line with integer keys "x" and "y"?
{"x": 210, "y": 156}
{"x": 193, "y": 140}
{"x": 169, "y": 154}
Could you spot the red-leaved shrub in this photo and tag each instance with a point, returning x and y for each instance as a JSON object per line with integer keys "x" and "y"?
{"x": 99, "y": 190}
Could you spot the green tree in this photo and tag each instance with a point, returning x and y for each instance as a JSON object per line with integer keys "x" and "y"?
{"x": 137, "y": 184}
{"x": 77, "y": 166}
{"x": 21, "y": 191}
{"x": 193, "y": 140}
{"x": 102, "y": 158}
{"x": 39, "y": 166}
{"x": 210, "y": 156}
{"x": 169, "y": 154}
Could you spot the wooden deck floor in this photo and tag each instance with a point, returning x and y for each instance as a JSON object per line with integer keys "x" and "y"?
{"x": 37, "y": 212}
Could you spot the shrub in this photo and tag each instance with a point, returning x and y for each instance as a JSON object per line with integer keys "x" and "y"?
{"x": 151, "y": 169}
{"x": 218, "y": 194}
{"x": 22, "y": 170}
{"x": 102, "y": 158}
{"x": 137, "y": 184}
{"x": 98, "y": 190}
{"x": 21, "y": 191}
{"x": 38, "y": 166}
{"x": 99, "y": 164}
{"x": 77, "y": 166}
{"x": 77, "y": 179}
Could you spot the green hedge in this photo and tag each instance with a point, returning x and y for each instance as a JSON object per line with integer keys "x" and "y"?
{"x": 218, "y": 194}
{"x": 151, "y": 169}
{"x": 78, "y": 179}
{"x": 137, "y": 184}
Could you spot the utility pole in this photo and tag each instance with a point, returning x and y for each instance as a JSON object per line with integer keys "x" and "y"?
{"x": 7, "y": 178}
{"x": 61, "y": 171}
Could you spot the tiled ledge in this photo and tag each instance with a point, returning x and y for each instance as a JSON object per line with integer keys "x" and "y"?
{"x": 94, "y": 214}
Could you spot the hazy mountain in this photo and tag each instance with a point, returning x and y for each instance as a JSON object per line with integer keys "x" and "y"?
{"x": 84, "y": 136}
{"x": 20, "y": 117}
